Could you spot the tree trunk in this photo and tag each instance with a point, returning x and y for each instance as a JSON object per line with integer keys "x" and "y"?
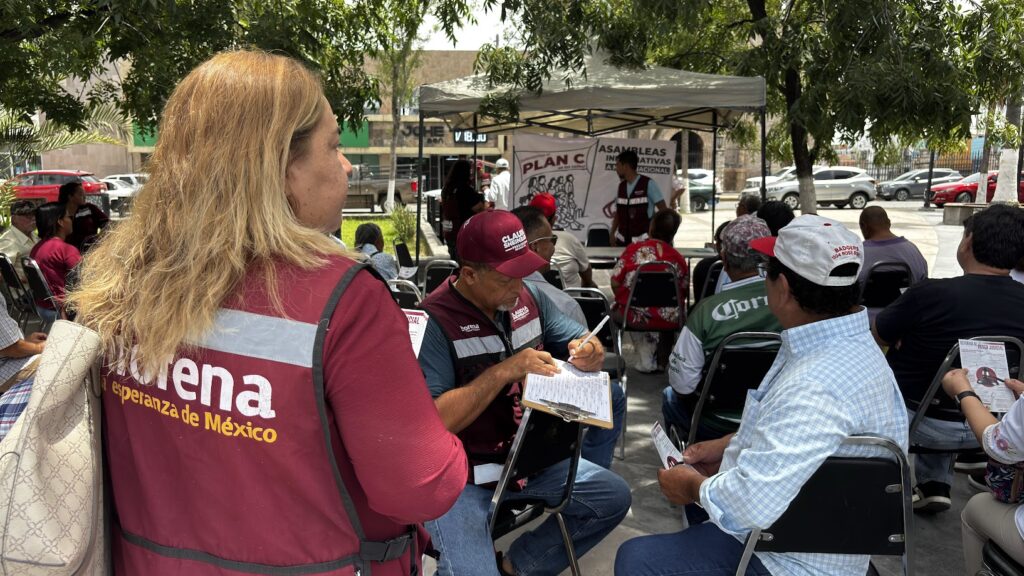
{"x": 981, "y": 195}
{"x": 396, "y": 125}
{"x": 1009, "y": 174}
{"x": 801, "y": 153}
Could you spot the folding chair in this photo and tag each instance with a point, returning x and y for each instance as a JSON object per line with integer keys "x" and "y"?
{"x": 13, "y": 289}
{"x": 885, "y": 282}
{"x": 656, "y": 285}
{"x": 599, "y": 235}
{"x": 851, "y": 505}
{"x": 734, "y": 369}
{"x": 542, "y": 441}
{"x": 940, "y": 405}
{"x": 997, "y": 562}
{"x": 710, "y": 281}
{"x": 554, "y": 277}
{"x": 404, "y": 257}
{"x": 436, "y": 272}
{"x": 595, "y": 307}
{"x": 405, "y": 293}
{"x": 39, "y": 289}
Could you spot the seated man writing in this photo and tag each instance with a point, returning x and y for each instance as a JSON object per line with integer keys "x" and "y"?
{"x": 742, "y": 306}
{"x": 828, "y": 382}
{"x": 487, "y": 331}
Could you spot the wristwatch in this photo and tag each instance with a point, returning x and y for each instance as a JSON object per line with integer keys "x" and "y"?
{"x": 965, "y": 394}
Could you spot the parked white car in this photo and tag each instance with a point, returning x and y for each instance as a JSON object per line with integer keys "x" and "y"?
{"x": 135, "y": 181}
{"x": 120, "y": 194}
{"x": 700, "y": 176}
{"x": 833, "y": 185}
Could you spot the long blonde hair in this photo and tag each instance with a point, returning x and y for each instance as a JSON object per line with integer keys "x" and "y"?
{"x": 214, "y": 208}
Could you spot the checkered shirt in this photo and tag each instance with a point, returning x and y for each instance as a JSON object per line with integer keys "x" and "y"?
{"x": 9, "y": 334}
{"x": 13, "y": 403}
{"x": 829, "y": 381}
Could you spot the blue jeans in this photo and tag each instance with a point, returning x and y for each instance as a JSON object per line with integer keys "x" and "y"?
{"x": 702, "y": 550}
{"x": 600, "y": 499}
{"x": 599, "y": 443}
{"x": 942, "y": 435}
{"x": 48, "y": 316}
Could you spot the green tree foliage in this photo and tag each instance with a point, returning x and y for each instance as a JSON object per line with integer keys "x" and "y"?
{"x": 834, "y": 69}
{"x": 44, "y": 42}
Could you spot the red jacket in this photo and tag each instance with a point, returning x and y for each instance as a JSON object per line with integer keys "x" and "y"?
{"x": 220, "y": 464}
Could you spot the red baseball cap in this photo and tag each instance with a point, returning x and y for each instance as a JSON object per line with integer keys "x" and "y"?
{"x": 545, "y": 202}
{"x": 496, "y": 238}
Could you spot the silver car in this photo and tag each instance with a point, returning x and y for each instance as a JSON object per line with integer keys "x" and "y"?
{"x": 912, "y": 184}
{"x": 833, "y": 185}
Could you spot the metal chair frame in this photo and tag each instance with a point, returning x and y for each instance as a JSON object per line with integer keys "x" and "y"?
{"x": 671, "y": 267}
{"x": 930, "y": 402}
{"x": 450, "y": 265}
{"x": 901, "y": 539}
{"x": 530, "y": 511}
{"x": 615, "y": 339}
{"x": 405, "y": 287}
{"x": 20, "y": 297}
{"x": 716, "y": 359}
{"x": 40, "y": 289}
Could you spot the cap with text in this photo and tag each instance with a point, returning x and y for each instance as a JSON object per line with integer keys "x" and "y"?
{"x": 814, "y": 247}
{"x": 496, "y": 238}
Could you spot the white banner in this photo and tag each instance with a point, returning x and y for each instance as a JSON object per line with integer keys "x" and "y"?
{"x": 580, "y": 173}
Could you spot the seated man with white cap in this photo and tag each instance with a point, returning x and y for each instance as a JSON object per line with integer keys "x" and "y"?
{"x": 828, "y": 382}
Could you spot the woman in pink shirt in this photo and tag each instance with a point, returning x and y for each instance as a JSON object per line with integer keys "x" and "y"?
{"x": 53, "y": 254}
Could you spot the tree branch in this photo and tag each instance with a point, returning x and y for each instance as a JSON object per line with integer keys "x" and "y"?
{"x": 47, "y": 24}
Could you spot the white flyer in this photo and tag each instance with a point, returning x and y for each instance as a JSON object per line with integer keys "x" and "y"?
{"x": 668, "y": 454}
{"x": 985, "y": 363}
{"x": 417, "y": 328}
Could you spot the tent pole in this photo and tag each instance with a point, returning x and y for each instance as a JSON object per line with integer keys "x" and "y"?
{"x": 714, "y": 168}
{"x": 476, "y": 169}
{"x": 764, "y": 162}
{"x": 421, "y": 183}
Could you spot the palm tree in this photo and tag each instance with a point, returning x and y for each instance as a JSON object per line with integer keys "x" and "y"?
{"x": 23, "y": 137}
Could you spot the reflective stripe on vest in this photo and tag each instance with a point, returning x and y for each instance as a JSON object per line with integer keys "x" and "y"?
{"x": 257, "y": 336}
{"x": 631, "y": 201}
{"x": 479, "y": 346}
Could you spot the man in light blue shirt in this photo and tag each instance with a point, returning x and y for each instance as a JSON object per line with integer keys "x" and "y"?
{"x": 828, "y": 382}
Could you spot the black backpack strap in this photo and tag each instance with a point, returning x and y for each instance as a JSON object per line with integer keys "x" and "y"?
{"x": 388, "y": 550}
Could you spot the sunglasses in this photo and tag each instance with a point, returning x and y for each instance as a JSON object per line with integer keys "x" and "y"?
{"x": 552, "y": 239}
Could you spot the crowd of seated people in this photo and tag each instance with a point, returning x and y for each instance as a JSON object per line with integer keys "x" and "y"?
{"x": 421, "y": 445}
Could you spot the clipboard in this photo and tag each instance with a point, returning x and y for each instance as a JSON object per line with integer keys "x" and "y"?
{"x": 554, "y": 395}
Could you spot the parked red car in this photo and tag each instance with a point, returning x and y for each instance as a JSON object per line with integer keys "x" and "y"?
{"x": 964, "y": 190}
{"x": 44, "y": 185}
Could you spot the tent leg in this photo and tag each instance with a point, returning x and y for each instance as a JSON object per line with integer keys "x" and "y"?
{"x": 476, "y": 170}
{"x": 714, "y": 169}
{"x": 764, "y": 154}
{"x": 421, "y": 183}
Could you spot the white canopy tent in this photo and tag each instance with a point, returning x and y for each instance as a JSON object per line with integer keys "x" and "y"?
{"x": 603, "y": 100}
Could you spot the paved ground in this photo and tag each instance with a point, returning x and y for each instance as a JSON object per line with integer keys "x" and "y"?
{"x": 935, "y": 540}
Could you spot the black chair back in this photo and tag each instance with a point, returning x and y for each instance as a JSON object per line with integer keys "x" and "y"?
{"x": 15, "y": 292}
{"x": 738, "y": 365}
{"x": 10, "y": 276}
{"x": 542, "y": 441}
{"x": 656, "y": 285}
{"x": 599, "y": 236}
{"x": 436, "y": 272}
{"x": 940, "y": 405}
{"x": 403, "y": 255}
{"x": 37, "y": 285}
{"x": 997, "y": 562}
{"x": 554, "y": 277}
{"x": 711, "y": 280}
{"x": 848, "y": 506}
{"x": 595, "y": 307}
{"x": 885, "y": 282}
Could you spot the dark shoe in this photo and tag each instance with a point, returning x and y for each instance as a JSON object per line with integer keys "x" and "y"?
{"x": 976, "y": 480}
{"x": 971, "y": 461}
{"x": 931, "y": 497}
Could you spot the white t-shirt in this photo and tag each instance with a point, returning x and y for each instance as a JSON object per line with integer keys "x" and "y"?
{"x": 1017, "y": 275}
{"x": 498, "y": 192}
{"x": 570, "y": 258}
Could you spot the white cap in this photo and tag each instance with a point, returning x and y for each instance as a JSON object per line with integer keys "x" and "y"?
{"x": 813, "y": 247}
{"x": 501, "y": 163}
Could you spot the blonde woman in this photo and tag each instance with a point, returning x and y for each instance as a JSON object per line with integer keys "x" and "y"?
{"x": 250, "y": 427}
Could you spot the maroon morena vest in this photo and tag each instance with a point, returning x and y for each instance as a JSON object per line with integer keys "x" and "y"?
{"x": 632, "y": 210}
{"x": 476, "y": 343}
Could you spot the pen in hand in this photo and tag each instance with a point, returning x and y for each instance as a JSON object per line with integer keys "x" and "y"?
{"x": 593, "y": 332}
